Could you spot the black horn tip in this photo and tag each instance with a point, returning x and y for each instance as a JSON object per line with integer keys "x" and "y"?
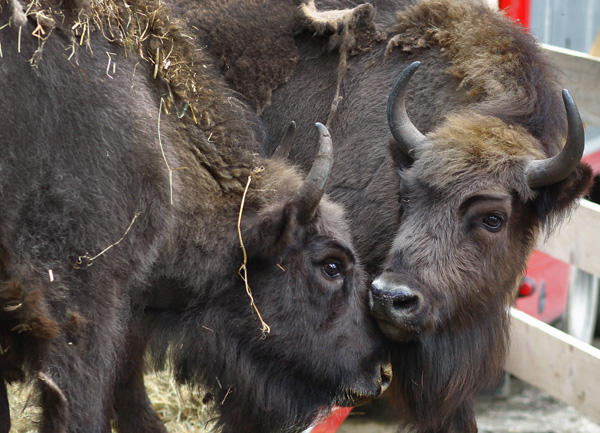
{"x": 291, "y": 129}
{"x": 567, "y": 97}
{"x": 404, "y": 76}
{"x": 413, "y": 66}
{"x": 313, "y": 188}
{"x": 547, "y": 172}
{"x": 570, "y": 107}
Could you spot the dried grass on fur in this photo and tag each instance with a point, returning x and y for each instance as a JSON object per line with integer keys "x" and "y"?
{"x": 180, "y": 409}
{"x": 146, "y": 29}
{"x": 142, "y": 28}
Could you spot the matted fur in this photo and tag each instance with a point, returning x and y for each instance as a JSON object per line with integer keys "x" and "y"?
{"x": 256, "y": 67}
{"x": 123, "y": 164}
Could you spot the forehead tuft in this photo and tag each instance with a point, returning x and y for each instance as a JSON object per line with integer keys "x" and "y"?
{"x": 332, "y": 221}
{"x": 469, "y": 147}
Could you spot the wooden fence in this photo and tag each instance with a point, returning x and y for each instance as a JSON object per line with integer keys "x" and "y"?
{"x": 547, "y": 358}
{"x": 541, "y": 355}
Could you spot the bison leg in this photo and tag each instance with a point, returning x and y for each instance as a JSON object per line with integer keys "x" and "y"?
{"x": 133, "y": 412}
{"x": 75, "y": 389}
{"x": 56, "y": 408}
{"x": 4, "y": 409}
{"x": 76, "y": 375}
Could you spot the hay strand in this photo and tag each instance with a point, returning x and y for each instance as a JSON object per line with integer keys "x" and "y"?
{"x": 243, "y": 270}
{"x": 162, "y": 150}
{"x": 90, "y": 260}
{"x": 19, "y": 41}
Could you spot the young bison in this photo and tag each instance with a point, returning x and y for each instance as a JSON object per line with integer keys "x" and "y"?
{"x": 132, "y": 211}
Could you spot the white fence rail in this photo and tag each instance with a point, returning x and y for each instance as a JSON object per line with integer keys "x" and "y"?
{"x": 578, "y": 241}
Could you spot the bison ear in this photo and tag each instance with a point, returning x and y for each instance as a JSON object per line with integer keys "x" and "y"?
{"x": 558, "y": 199}
{"x": 271, "y": 231}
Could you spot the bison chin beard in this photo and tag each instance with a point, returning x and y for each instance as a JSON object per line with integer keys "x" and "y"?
{"x": 259, "y": 400}
{"x": 250, "y": 391}
{"x": 436, "y": 377}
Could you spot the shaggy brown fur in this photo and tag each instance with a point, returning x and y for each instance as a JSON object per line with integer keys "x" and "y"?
{"x": 27, "y": 310}
{"x": 495, "y": 65}
{"x": 490, "y": 101}
{"x": 122, "y": 179}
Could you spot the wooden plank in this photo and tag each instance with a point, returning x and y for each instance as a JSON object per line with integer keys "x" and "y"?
{"x": 581, "y": 78}
{"x": 555, "y": 362}
{"x": 577, "y": 241}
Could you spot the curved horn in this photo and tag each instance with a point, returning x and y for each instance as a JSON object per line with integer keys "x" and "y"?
{"x": 405, "y": 133}
{"x": 549, "y": 171}
{"x": 310, "y": 193}
{"x": 285, "y": 146}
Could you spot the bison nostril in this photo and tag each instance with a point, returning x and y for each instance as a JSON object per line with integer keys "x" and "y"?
{"x": 405, "y": 301}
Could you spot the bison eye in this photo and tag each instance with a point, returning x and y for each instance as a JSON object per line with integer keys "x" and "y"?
{"x": 332, "y": 269}
{"x": 493, "y": 223}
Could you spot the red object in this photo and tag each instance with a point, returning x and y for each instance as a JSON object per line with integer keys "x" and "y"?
{"x": 593, "y": 159}
{"x": 527, "y": 287}
{"x": 549, "y": 278}
{"x": 333, "y": 422}
{"x": 518, "y": 10}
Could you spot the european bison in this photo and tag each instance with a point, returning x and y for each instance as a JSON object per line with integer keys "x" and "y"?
{"x": 445, "y": 221}
{"x": 133, "y": 211}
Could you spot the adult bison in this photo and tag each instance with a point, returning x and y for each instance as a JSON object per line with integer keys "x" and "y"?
{"x": 447, "y": 211}
{"x": 132, "y": 205}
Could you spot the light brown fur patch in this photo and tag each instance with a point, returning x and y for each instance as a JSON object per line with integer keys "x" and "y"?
{"x": 27, "y": 311}
{"x": 481, "y": 60}
{"x": 469, "y": 145}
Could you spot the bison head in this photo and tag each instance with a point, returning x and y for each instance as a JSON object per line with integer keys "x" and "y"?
{"x": 322, "y": 346}
{"x": 473, "y": 200}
